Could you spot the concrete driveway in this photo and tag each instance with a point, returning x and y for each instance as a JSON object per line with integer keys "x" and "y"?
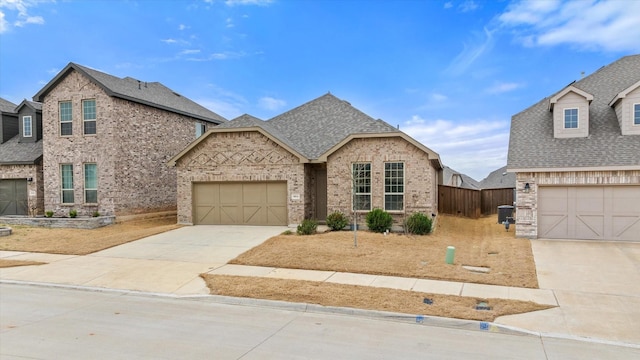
{"x": 168, "y": 263}
{"x": 596, "y": 284}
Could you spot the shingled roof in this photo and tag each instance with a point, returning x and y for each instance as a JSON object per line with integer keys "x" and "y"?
{"x": 533, "y": 146}
{"x": 14, "y": 152}
{"x": 152, "y": 94}
{"x": 499, "y": 179}
{"x": 7, "y": 106}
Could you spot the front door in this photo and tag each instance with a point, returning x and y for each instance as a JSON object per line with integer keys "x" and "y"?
{"x": 321, "y": 194}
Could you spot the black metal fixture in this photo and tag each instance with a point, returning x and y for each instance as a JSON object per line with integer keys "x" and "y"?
{"x": 29, "y": 179}
{"x": 527, "y": 187}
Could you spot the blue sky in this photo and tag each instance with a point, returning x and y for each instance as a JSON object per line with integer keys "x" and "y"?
{"x": 449, "y": 73}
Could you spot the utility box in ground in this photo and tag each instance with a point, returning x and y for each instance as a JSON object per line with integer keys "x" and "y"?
{"x": 505, "y": 212}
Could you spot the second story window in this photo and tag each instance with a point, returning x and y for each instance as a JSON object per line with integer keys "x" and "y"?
{"x": 89, "y": 116}
{"x": 570, "y": 118}
{"x": 27, "y": 127}
{"x": 636, "y": 114}
{"x": 66, "y": 119}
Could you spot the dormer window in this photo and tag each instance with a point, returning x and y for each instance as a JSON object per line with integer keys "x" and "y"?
{"x": 627, "y": 107}
{"x": 570, "y": 109}
{"x": 571, "y": 118}
{"x": 27, "y": 126}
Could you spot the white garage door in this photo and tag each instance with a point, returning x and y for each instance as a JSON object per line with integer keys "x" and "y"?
{"x": 589, "y": 212}
{"x": 251, "y": 203}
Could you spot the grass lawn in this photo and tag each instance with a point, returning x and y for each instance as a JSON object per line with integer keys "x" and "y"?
{"x": 81, "y": 241}
{"x": 11, "y": 263}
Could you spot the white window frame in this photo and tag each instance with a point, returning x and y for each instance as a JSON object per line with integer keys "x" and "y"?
{"x": 86, "y": 188}
{"x": 564, "y": 118}
{"x": 62, "y": 184}
{"x": 65, "y": 121}
{"x": 27, "y": 129}
{"x": 633, "y": 114}
{"x": 355, "y": 186}
{"x": 390, "y": 187}
{"x": 86, "y": 120}
{"x": 200, "y": 129}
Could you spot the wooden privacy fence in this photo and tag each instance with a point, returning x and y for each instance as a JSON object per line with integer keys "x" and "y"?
{"x": 472, "y": 203}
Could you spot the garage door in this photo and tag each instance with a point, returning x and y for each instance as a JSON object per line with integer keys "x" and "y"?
{"x": 13, "y": 197}
{"x": 598, "y": 213}
{"x": 254, "y": 203}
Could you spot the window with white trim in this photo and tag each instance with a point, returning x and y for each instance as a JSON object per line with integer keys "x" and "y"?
{"x": 27, "y": 126}
{"x": 361, "y": 173}
{"x": 636, "y": 114}
{"x": 91, "y": 183}
{"x": 200, "y": 129}
{"x": 89, "y": 116}
{"x": 66, "y": 119}
{"x": 571, "y": 118}
{"x": 394, "y": 186}
{"x": 66, "y": 174}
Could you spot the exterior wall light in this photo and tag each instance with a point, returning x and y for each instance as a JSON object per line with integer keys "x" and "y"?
{"x": 29, "y": 179}
{"x": 527, "y": 187}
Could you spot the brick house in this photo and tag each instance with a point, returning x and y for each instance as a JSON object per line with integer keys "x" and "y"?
{"x": 106, "y": 141}
{"x": 576, "y": 156}
{"x": 303, "y": 164}
{"x": 21, "y": 183}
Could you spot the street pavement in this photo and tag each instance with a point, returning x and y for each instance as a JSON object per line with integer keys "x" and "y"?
{"x": 594, "y": 284}
{"x": 54, "y": 322}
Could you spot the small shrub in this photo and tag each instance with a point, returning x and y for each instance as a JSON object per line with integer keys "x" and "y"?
{"x": 379, "y": 220}
{"x": 48, "y": 213}
{"x": 287, "y": 232}
{"x": 337, "y": 221}
{"x": 418, "y": 223}
{"x": 307, "y": 227}
{"x": 73, "y": 213}
{"x": 96, "y": 214}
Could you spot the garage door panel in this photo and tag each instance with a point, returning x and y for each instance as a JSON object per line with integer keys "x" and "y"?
{"x": 257, "y": 203}
{"x": 593, "y": 212}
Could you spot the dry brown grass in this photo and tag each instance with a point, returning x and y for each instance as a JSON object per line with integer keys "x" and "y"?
{"x": 480, "y": 242}
{"x": 80, "y": 241}
{"x": 363, "y": 297}
{"x": 10, "y": 263}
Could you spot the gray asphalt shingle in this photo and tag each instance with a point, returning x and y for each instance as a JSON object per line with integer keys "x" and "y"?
{"x": 14, "y": 152}
{"x": 152, "y": 94}
{"x": 532, "y": 145}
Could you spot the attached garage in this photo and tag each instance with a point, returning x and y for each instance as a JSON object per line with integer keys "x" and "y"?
{"x": 13, "y": 197}
{"x": 243, "y": 203}
{"x": 589, "y": 212}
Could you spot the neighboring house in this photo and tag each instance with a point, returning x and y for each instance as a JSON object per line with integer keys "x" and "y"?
{"x": 303, "y": 164}
{"x": 106, "y": 141}
{"x": 454, "y": 178}
{"x": 21, "y": 183}
{"x": 499, "y": 179}
{"x": 576, "y": 156}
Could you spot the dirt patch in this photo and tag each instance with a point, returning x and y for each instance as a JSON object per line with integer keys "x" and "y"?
{"x": 82, "y": 241}
{"x": 480, "y": 243}
{"x": 363, "y": 297}
{"x": 11, "y": 263}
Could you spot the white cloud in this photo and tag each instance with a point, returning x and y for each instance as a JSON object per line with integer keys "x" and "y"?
{"x": 229, "y": 22}
{"x": 223, "y": 102}
{"x": 482, "y": 43}
{"x": 588, "y": 25}
{"x": 182, "y": 27}
{"x": 460, "y": 145}
{"x": 271, "y": 104}
{"x": 468, "y": 6}
{"x": 503, "y": 87}
{"x": 448, "y": 5}
{"x": 248, "y": 2}
{"x": 23, "y": 17}
{"x": 169, "y": 41}
{"x": 189, "y": 51}
{"x": 439, "y": 98}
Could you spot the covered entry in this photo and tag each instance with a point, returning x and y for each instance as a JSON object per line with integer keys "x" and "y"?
{"x": 245, "y": 203}
{"x": 13, "y": 197}
{"x": 589, "y": 212}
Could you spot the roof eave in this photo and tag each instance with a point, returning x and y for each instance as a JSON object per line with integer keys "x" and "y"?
{"x": 572, "y": 169}
{"x": 165, "y": 108}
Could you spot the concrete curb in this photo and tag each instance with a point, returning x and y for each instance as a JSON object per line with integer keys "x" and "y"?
{"x": 451, "y": 323}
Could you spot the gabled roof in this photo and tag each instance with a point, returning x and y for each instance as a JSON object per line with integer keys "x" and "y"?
{"x": 152, "y": 94}
{"x": 623, "y": 93}
{"x": 554, "y": 99}
{"x": 498, "y": 179}
{"x": 13, "y": 152}
{"x": 315, "y": 129}
{"x": 533, "y": 147}
{"x": 35, "y": 106}
{"x": 467, "y": 181}
{"x": 7, "y": 106}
